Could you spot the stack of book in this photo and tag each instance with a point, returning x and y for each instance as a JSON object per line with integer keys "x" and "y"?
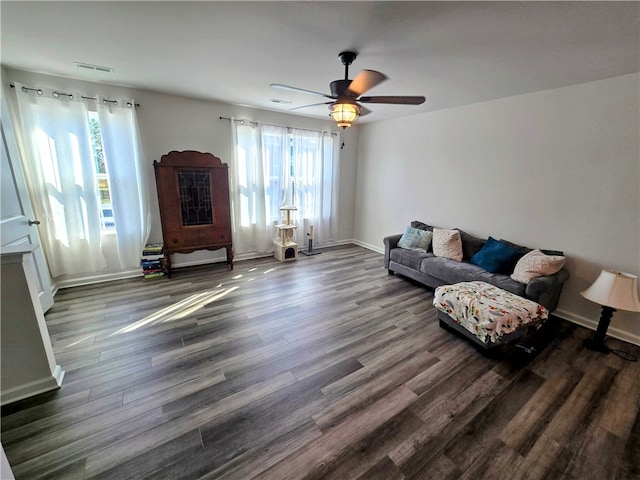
{"x": 152, "y": 261}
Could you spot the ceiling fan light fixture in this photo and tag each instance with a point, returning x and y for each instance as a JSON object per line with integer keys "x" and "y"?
{"x": 344, "y": 113}
{"x": 346, "y": 95}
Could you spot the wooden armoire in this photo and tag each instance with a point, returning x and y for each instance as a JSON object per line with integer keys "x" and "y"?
{"x": 193, "y": 195}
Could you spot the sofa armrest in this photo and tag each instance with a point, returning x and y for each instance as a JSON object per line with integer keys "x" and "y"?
{"x": 390, "y": 243}
{"x": 546, "y": 290}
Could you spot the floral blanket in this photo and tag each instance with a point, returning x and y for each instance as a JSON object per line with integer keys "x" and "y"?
{"x": 487, "y": 311}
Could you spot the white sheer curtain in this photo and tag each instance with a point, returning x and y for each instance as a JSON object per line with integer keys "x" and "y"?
{"x": 273, "y": 166}
{"x": 126, "y": 180}
{"x": 248, "y": 209}
{"x": 328, "y": 221}
{"x": 315, "y": 180}
{"x": 61, "y": 178}
{"x": 276, "y": 154}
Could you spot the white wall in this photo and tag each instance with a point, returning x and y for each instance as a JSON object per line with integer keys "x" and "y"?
{"x": 558, "y": 169}
{"x": 169, "y": 122}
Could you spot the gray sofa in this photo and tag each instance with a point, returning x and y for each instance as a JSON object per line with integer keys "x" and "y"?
{"x": 434, "y": 271}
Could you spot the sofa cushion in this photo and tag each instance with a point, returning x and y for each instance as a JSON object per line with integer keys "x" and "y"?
{"x": 408, "y": 258}
{"x": 557, "y": 253}
{"x": 415, "y": 239}
{"x": 470, "y": 244}
{"x": 447, "y": 243}
{"x": 536, "y": 264}
{"x": 504, "y": 282}
{"x": 496, "y": 256}
{"x": 520, "y": 248}
{"x": 525, "y": 250}
{"x": 422, "y": 226}
{"x": 450, "y": 272}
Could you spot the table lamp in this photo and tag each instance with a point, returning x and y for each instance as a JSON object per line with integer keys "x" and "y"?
{"x": 614, "y": 291}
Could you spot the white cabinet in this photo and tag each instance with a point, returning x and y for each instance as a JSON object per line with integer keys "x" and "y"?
{"x": 28, "y": 366}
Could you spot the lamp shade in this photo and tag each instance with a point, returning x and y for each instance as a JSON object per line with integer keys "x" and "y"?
{"x": 614, "y": 289}
{"x": 344, "y": 113}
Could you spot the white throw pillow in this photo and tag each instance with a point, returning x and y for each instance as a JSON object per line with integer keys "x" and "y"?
{"x": 447, "y": 243}
{"x": 536, "y": 264}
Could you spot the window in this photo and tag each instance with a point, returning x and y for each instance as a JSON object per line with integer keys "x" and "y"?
{"x": 276, "y": 150}
{"x": 83, "y": 171}
{"x": 276, "y": 166}
{"x": 107, "y": 221}
{"x": 290, "y": 167}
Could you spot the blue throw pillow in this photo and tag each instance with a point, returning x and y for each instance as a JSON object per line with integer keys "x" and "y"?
{"x": 496, "y": 256}
{"x": 415, "y": 239}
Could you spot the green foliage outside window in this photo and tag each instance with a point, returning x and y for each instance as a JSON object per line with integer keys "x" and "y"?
{"x": 96, "y": 142}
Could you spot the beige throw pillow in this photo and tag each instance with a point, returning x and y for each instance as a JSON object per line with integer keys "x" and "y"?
{"x": 536, "y": 264}
{"x": 447, "y": 243}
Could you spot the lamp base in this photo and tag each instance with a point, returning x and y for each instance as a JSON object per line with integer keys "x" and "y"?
{"x": 593, "y": 344}
{"x": 597, "y": 342}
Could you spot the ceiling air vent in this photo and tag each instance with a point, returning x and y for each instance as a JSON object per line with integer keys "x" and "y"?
{"x": 96, "y": 68}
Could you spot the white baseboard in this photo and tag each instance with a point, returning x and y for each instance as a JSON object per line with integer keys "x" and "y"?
{"x": 195, "y": 263}
{"x": 375, "y": 248}
{"x": 106, "y": 277}
{"x": 36, "y": 387}
{"x": 335, "y": 243}
{"x": 251, "y": 256}
{"x": 58, "y": 374}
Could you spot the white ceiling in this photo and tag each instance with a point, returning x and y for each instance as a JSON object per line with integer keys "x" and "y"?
{"x": 454, "y": 53}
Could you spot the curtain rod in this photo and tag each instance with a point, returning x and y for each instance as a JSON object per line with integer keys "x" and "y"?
{"x": 273, "y": 125}
{"x": 57, "y": 94}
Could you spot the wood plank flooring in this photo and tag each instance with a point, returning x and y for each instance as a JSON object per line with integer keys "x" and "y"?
{"x": 323, "y": 368}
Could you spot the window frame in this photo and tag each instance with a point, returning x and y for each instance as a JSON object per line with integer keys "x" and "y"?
{"x": 107, "y": 219}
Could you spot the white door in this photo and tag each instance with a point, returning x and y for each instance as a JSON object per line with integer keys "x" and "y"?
{"x": 17, "y": 223}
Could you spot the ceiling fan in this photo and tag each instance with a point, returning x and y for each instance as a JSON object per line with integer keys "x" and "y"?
{"x": 346, "y": 94}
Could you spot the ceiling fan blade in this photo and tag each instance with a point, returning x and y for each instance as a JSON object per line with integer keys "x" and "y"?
{"x": 364, "y": 111}
{"x": 312, "y": 105}
{"x": 299, "y": 90}
{"x": 365, "y": 80}
{"x": 398, "y": 100}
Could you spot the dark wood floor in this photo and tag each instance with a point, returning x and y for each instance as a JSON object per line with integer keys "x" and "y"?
{"x": 326, "y": 367}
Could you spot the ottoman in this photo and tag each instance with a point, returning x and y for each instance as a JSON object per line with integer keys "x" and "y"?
{"x": 487, "y": 315}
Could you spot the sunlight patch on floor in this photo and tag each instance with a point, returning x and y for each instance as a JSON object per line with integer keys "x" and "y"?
{"x": 178, "y": 310}
{"x": 83, "y": 339}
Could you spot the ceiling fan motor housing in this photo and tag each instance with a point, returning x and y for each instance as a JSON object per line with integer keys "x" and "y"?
{"x": 346, "y": 93}
{"x": 339, "y": 87}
